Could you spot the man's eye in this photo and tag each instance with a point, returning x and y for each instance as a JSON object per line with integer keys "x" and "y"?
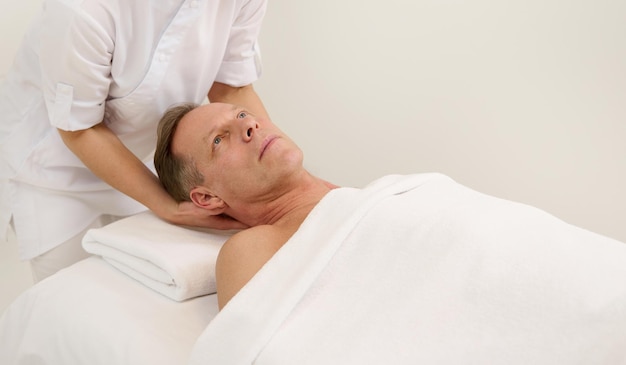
{"x": 242, "y": 115}
{"x": 217, "y": 140}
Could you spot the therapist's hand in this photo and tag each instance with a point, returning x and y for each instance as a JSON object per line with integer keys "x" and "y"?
{"x": 107, "y": 157}
{"x": 189, "y": 214}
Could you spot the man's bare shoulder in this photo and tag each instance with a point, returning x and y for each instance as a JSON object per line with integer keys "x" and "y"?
{"x": 243, "y": 255}
{"x": 253, "y": 246}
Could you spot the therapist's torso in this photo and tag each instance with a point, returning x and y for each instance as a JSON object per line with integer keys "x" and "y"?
{"x": 122, "y": 62}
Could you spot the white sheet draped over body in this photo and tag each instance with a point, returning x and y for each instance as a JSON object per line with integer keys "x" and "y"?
{"x": 419, "y": 269}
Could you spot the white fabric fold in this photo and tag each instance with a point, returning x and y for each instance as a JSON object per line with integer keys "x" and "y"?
{"x": 419, "y": 269}
{"x": 178, "y": 262}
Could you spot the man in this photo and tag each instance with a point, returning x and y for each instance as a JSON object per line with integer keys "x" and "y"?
{"x": 409, "y": 269}
{"x": 232, "y": 163}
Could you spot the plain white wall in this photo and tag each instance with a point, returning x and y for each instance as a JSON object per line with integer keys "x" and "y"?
{"x": 522, "y": 100}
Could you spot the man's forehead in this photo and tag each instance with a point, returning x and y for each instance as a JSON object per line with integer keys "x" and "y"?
{"x": 197, "y": 125}
{"x": 184, "y": 133}
{"x": 209, "y": 113}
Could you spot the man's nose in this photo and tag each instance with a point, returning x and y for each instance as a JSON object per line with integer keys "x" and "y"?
{"x": 250, "y": 127}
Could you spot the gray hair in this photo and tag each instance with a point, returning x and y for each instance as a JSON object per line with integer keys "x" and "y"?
{"x": 178, "y": 175}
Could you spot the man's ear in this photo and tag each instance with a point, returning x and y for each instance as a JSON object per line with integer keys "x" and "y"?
{"x": 204, "y": 199}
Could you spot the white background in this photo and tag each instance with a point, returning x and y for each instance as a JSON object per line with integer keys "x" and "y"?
{"x": 523, "y": 100}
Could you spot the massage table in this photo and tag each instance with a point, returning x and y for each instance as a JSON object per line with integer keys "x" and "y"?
{"x": 144, "y": 297}
{"x": 92, "y": 313}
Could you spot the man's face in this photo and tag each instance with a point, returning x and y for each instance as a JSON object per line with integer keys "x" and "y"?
{"x": 239, "y": 155}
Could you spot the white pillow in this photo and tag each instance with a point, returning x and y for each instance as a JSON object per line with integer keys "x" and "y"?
{"x": 176, "y": 261}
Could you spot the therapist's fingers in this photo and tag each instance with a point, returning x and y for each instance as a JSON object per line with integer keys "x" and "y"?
{"x": 190, "y": 215}
{"x": 225, "y": 222}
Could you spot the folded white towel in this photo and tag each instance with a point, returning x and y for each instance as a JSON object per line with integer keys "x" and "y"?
{"x": 178, "y": 262}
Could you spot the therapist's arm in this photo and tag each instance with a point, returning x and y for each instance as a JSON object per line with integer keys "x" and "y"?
{"x": 244, "y": 96}
{"x": 107, "y": 157}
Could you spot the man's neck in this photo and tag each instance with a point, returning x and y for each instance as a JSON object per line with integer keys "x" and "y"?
{"x": 290, "y": 207}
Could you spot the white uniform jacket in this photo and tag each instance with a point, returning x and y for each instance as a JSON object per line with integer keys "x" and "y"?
{"x": 118, "y": 61}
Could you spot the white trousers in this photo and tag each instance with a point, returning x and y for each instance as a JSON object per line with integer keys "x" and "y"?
{"x": 65, "y": 254}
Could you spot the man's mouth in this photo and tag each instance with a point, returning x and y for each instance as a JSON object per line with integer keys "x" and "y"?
{"x": 266, "y": 144}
